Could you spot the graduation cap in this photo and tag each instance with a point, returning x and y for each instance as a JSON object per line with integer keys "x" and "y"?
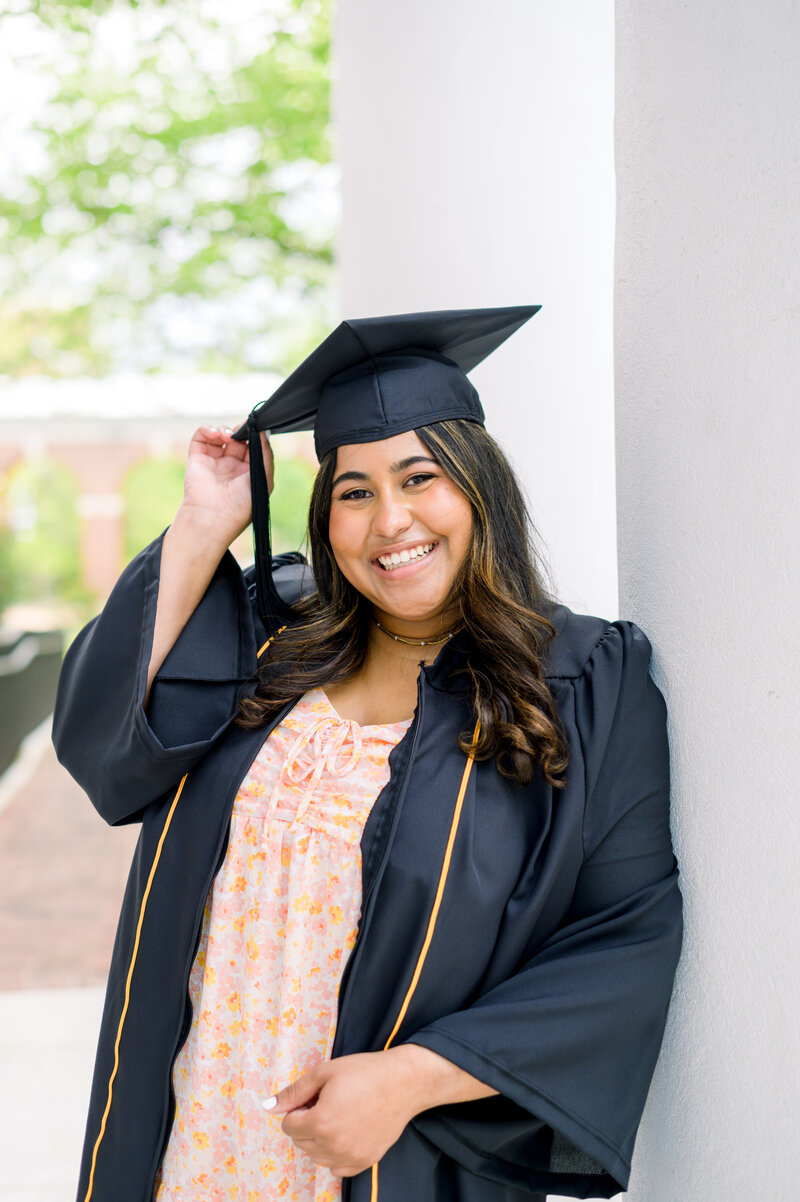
{"x": 370, "y": 379}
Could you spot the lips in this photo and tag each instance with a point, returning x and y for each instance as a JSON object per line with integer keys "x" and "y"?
{"x": 401, "y": 559}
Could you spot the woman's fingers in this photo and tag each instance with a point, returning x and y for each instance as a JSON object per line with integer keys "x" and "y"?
{"x": 299, "y": 1093}
{"x": 207, "y": 441}
{"x": 216, "y": 442}
{"x": 217, "y": 479}
{"x": 346, "y": 1112}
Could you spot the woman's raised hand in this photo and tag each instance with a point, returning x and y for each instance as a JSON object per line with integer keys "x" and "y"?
{"x": 215, "y": 509}
{"x": 216, "y": 486}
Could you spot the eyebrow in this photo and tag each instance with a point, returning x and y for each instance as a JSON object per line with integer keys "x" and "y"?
{"x": 394, "y": 468}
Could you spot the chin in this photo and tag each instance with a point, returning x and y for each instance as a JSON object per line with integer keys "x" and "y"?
{"x": 422, "y": 612}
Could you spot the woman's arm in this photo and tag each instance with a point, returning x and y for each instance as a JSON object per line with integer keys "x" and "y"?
{"x": 215, "y": 510}
{"x": 331, "y": 1111}
{"x": 182, "y": 643}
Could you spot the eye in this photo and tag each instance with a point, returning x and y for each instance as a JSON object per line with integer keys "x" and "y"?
{"x": 420, "y": 478}
{"x": 354, "y": 494}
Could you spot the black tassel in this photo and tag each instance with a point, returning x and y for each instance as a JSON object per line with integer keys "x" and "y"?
{"x": 270, "y": 604}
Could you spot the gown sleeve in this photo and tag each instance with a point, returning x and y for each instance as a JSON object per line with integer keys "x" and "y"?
{"x": 571, "y": 1040}
{"x": 122, "y": 757}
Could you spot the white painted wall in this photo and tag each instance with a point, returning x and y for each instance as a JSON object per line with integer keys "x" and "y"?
{"x": 708, "y": 436}
{"x": 476, "y": 145}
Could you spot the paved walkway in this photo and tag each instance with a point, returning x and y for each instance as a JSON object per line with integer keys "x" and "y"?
{"x": 47, "y": 1043}
{"x": 62, "y": 874}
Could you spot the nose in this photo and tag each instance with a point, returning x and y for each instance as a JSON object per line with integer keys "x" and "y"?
{"x": 391, "y": 516}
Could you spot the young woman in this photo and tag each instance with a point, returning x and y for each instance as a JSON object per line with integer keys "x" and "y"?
{"x": 403, "y": 918}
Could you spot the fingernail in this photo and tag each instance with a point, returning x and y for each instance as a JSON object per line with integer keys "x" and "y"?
{"x": 227, "y": 430}
{"x": 270, "y": 1104}
{"x": 267, "y": 433}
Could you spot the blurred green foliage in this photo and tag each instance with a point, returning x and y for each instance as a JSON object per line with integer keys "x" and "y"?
{"x": 169, "y": 206}
{"x": 178, "y": 213}
{"x": 41, "y": 557}
{"x": 6, "y": 571}
{"x": 289, "y": 504}
{"x": 151, "y": 493}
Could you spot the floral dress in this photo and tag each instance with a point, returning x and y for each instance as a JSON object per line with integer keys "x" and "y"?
{"x": 279, "y": 924}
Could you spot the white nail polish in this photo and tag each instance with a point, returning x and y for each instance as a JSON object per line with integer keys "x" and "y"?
{"x": 270, "y": 1104}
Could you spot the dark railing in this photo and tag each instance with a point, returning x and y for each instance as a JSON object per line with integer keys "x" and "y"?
{"x": 29, "y": 667}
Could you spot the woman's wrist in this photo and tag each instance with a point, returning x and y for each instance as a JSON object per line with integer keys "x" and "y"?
{"x": 427, "y": 1079}
{"x": 199, "y": 533}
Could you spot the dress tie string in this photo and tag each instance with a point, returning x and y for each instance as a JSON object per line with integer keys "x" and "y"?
{"x": 324, "y": 743}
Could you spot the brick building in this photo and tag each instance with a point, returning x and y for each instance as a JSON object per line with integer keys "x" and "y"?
{"x": 101, "y": 429}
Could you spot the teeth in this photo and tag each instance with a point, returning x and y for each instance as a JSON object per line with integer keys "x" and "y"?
{"x": 396, "y": 558}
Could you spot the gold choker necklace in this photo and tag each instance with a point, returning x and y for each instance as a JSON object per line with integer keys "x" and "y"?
{"x": 400, "y": 638}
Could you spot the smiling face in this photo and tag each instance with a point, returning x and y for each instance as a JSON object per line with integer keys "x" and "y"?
{"x": 399, "y": 530}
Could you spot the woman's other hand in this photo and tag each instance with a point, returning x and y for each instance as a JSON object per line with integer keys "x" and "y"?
{"x": 346, "y": 1113}
{"x": 216, "y": 485}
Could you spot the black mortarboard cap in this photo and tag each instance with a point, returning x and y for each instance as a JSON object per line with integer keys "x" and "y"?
{"x": 371, "y": 378}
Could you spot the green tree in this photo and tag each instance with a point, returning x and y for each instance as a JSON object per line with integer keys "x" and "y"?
{"x": 289, "y": 504}
{"x": 179, "y": 210}
{"x": 152, "y": 492}
{"x": 43, "y": 558}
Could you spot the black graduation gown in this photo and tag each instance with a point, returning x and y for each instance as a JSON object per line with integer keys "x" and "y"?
{"x": 544, "y": 969}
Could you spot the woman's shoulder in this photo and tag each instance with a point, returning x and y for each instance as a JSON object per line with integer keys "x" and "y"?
{"x": 580, "y": 637}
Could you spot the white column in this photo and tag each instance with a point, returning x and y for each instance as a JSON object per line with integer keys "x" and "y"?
{"x": 476, "y": 144}
{"x": 708, "y": 434}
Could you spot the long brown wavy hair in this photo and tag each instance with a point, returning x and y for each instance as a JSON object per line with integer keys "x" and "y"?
{"x": 500, "y": 592}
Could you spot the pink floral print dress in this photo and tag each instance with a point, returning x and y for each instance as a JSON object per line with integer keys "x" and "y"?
{"x": 279, "y": 924}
